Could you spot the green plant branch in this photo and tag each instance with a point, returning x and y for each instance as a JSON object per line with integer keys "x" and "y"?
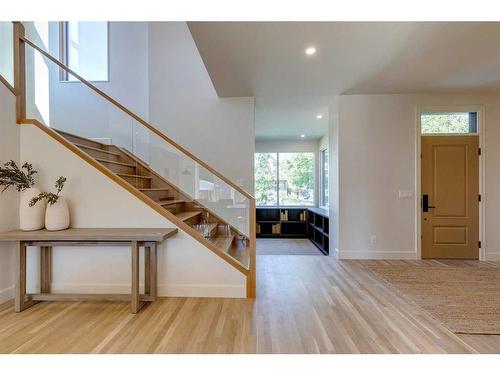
{"x": 50, "y": 197}
{"x": 12, "y": 175}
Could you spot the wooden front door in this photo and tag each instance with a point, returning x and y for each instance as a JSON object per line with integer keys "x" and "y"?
{"x": 450, "y": 197}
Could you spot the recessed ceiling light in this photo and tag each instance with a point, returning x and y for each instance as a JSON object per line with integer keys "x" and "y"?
{"x": 319, "y": 117}
{"x": 302, "y": 136}
{"x": 310, "y": 51}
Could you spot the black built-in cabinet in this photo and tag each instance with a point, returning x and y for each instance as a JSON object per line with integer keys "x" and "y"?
{"x": 284, "y": 222}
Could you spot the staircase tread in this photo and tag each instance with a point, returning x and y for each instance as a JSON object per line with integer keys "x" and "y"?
{"x": 168, "y": 202}
{"x": 223, "y": 242}
{"x": 154, "y": 189}
{"x": 80, "y": 145}
{"x": 114, "y": 162}
{"x": 241, "y": 253}
{"x": 133, "y": 175}
{"x": 61, "y": 132}
{"x": 187, "y": 215}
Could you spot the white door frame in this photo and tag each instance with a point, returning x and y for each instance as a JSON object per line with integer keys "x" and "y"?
{"x": 418, "y": 169}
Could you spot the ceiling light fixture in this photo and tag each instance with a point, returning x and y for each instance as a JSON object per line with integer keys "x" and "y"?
{"x": 310, "y": 51}
{"x": 302, "y": 136}
{"x": 319, "y": 117}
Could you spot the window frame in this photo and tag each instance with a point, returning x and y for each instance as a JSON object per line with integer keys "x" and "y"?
{"x": 63, "y": 55}
{"x": 277, "y": 188}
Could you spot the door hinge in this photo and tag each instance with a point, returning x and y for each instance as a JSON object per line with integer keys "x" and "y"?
{"x": 479, "y": 244}
{"x": 479, "y": 151}
{"x": 479, "y": 197}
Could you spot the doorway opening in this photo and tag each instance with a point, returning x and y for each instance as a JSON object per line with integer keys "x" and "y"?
{"x": 449, "y": 183}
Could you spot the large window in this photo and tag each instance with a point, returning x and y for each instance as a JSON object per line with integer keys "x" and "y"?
{"x": 324, "y": 195}
{"x": 84, "y": 49}
{"x": 448, "y": 122}
{"x": 284, "y": 179}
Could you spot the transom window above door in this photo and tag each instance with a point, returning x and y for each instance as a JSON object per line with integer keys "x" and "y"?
{"x": 448, "y": 122}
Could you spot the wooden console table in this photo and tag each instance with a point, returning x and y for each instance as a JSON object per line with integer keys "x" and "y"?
{"x": 128, "y": 237}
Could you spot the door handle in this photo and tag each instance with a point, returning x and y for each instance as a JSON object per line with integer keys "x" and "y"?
{"x": 425, "y": 203}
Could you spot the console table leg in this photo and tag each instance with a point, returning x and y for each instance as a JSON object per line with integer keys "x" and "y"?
{"x": 135, "y": 300}
{"x": 153, "y": 270}
{"x": 20, "y": 288}
{"x": 45, "y": 269}
{"x": 147, "y": 269}
{"x": 20, "y": 302}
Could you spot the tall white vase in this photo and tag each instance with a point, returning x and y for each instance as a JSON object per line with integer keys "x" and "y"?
{"x": 31, "y": 218}
{"x": 57, "y": 215}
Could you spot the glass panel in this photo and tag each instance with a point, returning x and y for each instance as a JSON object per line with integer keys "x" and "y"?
{"x": 66, "y": 108}
{"x": 6, "y": 51}
{"x": 449, "y": 122}
{"x": 266, "y": 174}
{"x": 296, "y": 179}
{"x": 324, "y": 178}
{"x": 87, "y": 50}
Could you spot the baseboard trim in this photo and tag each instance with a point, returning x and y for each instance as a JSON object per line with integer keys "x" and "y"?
{"x": 377, "y": 255}
{"x": 6, "y": 294}
{"x": 492, "y": 257}
{"x": 164, "y": 290}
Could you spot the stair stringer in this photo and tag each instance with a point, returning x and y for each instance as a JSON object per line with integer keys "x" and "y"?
{"x": 185, "y": 231}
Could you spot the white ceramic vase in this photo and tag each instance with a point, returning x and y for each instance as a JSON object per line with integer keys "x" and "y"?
{"x": 31, "y": 218}
{"x": 57, "y": 215}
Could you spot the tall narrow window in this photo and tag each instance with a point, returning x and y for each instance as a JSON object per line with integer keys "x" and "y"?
{"x": 266, "y": 179}
{"x": 324, "y": 178}
{"x": 84, "y": 49}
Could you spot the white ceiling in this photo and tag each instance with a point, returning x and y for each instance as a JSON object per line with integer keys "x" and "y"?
{"x": 267, "y": 60}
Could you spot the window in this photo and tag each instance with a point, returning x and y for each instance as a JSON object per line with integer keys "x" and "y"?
{"x": 84, "y": 49}
{"x": 266, "y": 179}
{"x": 324, "y": 201}
{"x": 448, "y": 122}
{"x": 284, "y": 179}
{"x": 6, "y": 52}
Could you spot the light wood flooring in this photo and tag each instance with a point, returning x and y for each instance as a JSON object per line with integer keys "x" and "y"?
{"x": 286, "y": 246}
{"x": 305, "y": 304}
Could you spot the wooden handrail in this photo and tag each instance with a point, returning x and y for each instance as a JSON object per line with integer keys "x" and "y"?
{"x": 8, "y": 85}
{"x": 139, "y": 119}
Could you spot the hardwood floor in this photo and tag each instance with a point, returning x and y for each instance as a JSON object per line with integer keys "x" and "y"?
{"x": 305, "y": 305}
{"x": 286, "y": 246}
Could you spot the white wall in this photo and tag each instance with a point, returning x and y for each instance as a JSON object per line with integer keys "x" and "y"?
{"x": 334, "y": 185}
{"x": 377, "y": 158}
{"x": 286, "y": 146}
{"x": 184, "y": 105}
{"x": 186, "y": 268}
{"x": 9, "y": 200}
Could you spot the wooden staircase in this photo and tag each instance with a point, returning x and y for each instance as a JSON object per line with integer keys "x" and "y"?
{"x": 180, "y": 208}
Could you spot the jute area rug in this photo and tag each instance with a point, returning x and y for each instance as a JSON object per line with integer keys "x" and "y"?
{"x": 463, "y": 296}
